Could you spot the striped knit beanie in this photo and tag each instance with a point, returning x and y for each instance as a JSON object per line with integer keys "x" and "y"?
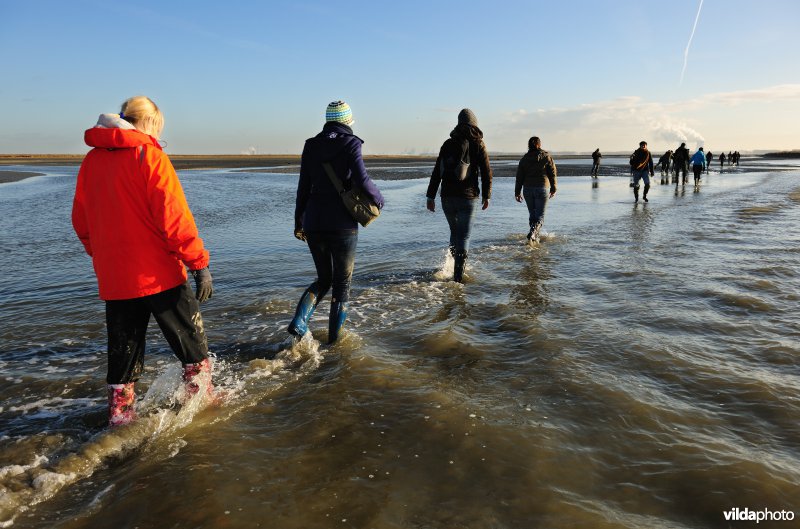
{"x": 340, "y": 112}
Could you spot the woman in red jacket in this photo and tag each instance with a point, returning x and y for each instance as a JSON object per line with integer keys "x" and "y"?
{"x": 131, "y": 215}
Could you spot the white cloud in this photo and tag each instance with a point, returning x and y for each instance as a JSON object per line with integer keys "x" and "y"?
{"x": 772, "y": 94}
{"x": 624, "y": 121}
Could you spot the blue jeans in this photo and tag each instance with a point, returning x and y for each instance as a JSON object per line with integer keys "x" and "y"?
{"x": 536, "y": 200}
{"x": 334, "y": 254}
{"x": 641, "y": 175}
{"x": 459, "y": 212}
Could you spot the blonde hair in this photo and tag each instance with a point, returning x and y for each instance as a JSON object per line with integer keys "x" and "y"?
{"x": 143, "y": 114}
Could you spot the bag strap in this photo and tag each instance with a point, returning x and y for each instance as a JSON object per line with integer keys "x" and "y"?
{"x": 645, "y": 163}
{"x": 334, "y": 179}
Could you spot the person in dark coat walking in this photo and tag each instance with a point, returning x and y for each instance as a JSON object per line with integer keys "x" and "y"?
{"x": 535, "y": 171}
{"x": 641, "y": 165}
{"x": 664, "y": 162}
{"x": 709, "y": 159}
{"x": 323, "y": 222}
{"x": 462, "y": 162}
{"x": 596, "y": 162}
{"x": 681, "y": 163}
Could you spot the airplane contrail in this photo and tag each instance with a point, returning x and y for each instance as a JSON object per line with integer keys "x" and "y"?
{"x": 686, "y": 52}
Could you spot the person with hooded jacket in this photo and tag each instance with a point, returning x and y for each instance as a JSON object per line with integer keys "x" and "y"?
{"x": 131, "y": 215}
{"x": 323, "y": 222}
{"x": 462, "y": 158}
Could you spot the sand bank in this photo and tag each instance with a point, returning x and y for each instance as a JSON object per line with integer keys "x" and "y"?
{"x": 219, "y": 161}
{"x": 380, "y": 167}
{"x": 15, "y": 176}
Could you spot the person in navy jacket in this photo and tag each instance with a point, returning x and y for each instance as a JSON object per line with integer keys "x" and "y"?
{"x": 323, "y": 222}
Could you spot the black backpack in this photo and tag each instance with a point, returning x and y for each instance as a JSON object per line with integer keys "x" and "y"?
{"x": 454, "y": 162}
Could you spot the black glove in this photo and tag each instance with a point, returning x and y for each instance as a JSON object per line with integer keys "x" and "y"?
{"x": 205, "y": 288}
{"x": 299, "y": 233}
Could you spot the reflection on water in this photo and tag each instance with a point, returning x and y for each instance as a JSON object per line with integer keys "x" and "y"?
{"x": 531, "y": 295}
{"x": 637, "y": 368}
{"x": 641, "y": 222}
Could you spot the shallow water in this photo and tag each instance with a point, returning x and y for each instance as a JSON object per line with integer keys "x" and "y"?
{"x": 637, "y": 369}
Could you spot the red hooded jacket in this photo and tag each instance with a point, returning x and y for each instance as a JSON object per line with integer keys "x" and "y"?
{"x": 131, "y": 215}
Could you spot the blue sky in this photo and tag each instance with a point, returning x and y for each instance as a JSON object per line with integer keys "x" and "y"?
{"x": 256, "y": 76}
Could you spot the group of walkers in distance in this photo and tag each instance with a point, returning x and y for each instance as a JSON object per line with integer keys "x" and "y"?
{"x": 131, "y": 215}
{"x": 642, "y": 166}
{"x": 679, "y": 161}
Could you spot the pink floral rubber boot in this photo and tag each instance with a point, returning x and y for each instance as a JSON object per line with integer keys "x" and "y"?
{"x": 195, "y": 375}
{"x": 120, "y": 404}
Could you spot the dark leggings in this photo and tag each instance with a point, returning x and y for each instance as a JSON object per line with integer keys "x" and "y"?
{"x": 177, "y": 313}
{"x": 334, "y": 254}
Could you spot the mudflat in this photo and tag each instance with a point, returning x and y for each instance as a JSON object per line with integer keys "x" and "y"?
{"x": 380, "y": 167}
{"x": 14, "y": 176}
{"x": 180, "y": 161}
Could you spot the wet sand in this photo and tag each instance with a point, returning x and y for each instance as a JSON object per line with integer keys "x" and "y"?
{"x": 380, "y": 167}
{"x": 15, "y": 176}
{"x": 180, "y": 161}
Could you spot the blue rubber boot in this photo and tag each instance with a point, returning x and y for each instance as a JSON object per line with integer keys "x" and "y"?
{"x": 336, "y": 320}
{"x": 302, "y": 314}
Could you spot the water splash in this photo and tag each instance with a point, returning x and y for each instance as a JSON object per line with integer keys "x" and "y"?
{"x": 445, "y": 273}
{"x": 164, "y": 412}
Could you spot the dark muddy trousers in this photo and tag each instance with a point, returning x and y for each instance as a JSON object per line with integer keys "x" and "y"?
{"x": 681, "y": 168}
{"x": 177, "y": 313}
{"x": 334, "y": 254}
{"x": 698, "y": 170}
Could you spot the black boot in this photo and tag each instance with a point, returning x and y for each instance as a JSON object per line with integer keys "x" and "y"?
{"x": 644, "y": 193}
{"x": 636, "y": 193}
{"x": 458, "y": 268}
